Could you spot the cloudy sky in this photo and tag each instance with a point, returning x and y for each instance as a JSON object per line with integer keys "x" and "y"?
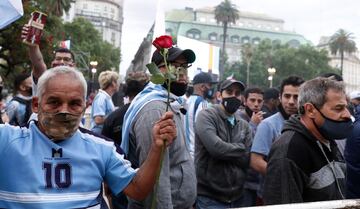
{"x": 311, "y": 18}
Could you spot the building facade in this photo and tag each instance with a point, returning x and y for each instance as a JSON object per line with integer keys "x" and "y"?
{"x": 105, "y": 15}
{"x": 251, "y": 28}
{"x": 200, "y": 24}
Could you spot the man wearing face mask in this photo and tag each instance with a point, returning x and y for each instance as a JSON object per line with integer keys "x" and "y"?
{"x": 222, "y": 145}
{"x": 305, "y": 164}
{"x": 52, "y": 164}
{"x": 177, "y": 188}
{"x": 19, "y": 108}
{"x": 203, "y": 90}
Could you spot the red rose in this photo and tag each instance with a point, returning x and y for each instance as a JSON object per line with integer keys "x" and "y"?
{"x": 163, "y": 42}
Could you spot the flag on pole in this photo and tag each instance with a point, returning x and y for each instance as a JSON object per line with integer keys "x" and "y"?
{"x": 159, "y": 27}
{"x": 10, "y": 10}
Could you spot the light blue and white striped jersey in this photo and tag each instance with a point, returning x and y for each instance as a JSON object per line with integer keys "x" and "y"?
{"x": 195, "y": 104}
{"x": 37, "y": 173}
{"x": 101, "y": 106}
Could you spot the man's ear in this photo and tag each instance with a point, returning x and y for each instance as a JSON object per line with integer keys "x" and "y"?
{"x": 309, "y": 110}
{"x": 35, "y": 104}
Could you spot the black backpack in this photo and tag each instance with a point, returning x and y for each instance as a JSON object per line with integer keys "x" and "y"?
{"x": 28, "y": 111}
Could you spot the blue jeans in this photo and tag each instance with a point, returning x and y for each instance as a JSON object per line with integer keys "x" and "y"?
{"x": 203, "y": 202}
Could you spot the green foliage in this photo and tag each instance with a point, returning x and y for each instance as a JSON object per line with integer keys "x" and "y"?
{"x": 86, "y": 42}
{"x": 14, "y": 53}
{"x": 87, "y": 45}
{"x": 304, "y": 61}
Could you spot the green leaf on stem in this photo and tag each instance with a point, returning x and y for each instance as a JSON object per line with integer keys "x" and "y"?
{"x": 156, "y": 76}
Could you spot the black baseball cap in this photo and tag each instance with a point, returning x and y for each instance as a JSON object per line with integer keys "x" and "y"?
{"x": 203, "y": 77}
{"x": 174, "y": 53}
{"x": 228, "y": 82}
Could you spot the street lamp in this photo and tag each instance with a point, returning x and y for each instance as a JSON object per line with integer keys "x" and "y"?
{"x": 93, "y": 71}
{"x": 271, "y": 72}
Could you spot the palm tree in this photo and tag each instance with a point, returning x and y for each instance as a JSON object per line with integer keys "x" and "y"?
{"x": 225, "y": 13}
{"x": 341, "y": 42}
{"x": 247, "y": 52}
{"x": 58, "y": 7}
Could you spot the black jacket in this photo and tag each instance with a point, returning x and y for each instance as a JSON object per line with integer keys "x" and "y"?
{"x": 299, "y": 168}
{"x": 221, "y": 154}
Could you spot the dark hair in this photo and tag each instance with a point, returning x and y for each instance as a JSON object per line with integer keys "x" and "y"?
{"x": 19, "y": 79}
{"x": 252, "y": 90}
{"x": 291, "y": 80}
{"x": 333, "y": 76}
{"x": 65, "y": 50}
{"x": 133, "y": 87}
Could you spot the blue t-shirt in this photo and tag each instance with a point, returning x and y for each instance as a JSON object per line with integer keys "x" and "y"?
{"x": 38, "y": 173}
{"x": 101, "y": 106}
{"x": 267, "y": 131}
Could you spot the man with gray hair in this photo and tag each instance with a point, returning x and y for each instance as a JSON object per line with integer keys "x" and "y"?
{"x": 305, "y": 164}
{"x": 52, "y": 164}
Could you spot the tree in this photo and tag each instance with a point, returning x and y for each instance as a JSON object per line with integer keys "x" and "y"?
{"x": 88, "y": 46}
{"x": 55, "y": 7}
{"x": 225, "y": 13}
{"x": 13, "y": 54}
{"x": 305, "y": 61}
{"x": 247, "y": 51}
{"x": 341, "y": 42}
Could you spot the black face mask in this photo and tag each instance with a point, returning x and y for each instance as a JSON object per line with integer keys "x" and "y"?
{"x": 231, "y": 104}
{"x": 209, "y": 93}
{"x": 333, "y": 129}
{"x": 177, "y": 88}
{"x": 29, "y": 91}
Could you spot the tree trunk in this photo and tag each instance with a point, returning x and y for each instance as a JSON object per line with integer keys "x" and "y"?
{"x": 222, "y": 63}
{"x": 247, "y": 74}
{"x": 341, "y": 62}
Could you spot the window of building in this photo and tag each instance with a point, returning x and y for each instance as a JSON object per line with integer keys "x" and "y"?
{"x": 222, "y": 37}
{"x": 212, "y": 20}
{"x": 245, "y": 39}
{"x": 193, "y": 33}
{"x": 202, "y": 19}
{"x": 294, "y": 43}
{"x": 276, "y": 42}
{"x": 259, "y": 26}
{"x": 169, "y": 31}
{"x": 277, "y": 28}
{"x": 250, "y": 25}
{"x": 85, "y": 6}
{"x": 213, "y": 36}
{"x": 235, "y": 39}
{"x": 256, "y": 41}
{"x": 112, "y": 10}
{"x": 241, "y": 24}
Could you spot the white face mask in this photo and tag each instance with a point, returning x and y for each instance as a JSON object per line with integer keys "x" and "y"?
{"x": 60, "y": 125}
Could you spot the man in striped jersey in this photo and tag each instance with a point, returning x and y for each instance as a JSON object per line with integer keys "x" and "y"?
{"x": 51, "y": 164}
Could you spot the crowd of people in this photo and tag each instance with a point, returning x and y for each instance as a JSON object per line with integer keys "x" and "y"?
{"x": 223, "y": 145}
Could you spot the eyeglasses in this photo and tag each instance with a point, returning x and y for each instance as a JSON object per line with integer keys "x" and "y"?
{"x": 65, "y": 59}
{"x": 183, "y": 65}
{"x": 178, "y": 65}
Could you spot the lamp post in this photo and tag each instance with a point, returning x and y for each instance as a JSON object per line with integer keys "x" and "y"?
{"x": 93, "y": 71}
{"x": 271, "y": 72}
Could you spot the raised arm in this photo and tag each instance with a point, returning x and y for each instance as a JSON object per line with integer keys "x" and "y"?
{"x": 35, "y": 56}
